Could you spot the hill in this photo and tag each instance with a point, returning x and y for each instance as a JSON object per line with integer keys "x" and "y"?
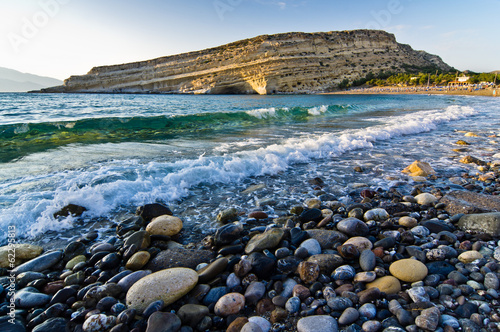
{"x": 294, "y": 62}
{"x": 15, "y": 81}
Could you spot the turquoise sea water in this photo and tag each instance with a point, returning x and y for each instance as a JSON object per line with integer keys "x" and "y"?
{"x": 112, "y": 153}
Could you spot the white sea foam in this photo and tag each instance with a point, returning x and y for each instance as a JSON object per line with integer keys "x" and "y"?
{"x": 109, "y": 185}
{"x": 264, "y": 113}
{"x": 317, "y": 110}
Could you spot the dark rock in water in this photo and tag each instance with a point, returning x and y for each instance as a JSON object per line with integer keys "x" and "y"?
{"x": 141, "y": 239}
{"x": 40, "y": 263}
{"x": 311, "y": 215}
{"x": 262, "y": 265}
{"x": 150, "y": 211}
{"x": 70, "y": 210}
{"x": 52, "y": 325}
{"x": 110, "y": 261}
{"x": 469, "y": 202}
{"x": 180, "y": 257}
{"x": 191, "y": 314}
{"x": 353, "y": 227}
{"x": 436, "y": 226}
{"x": 74, "y": 249}
{"x": 488, "y": 223}
{"x": 132, "y": 223}
{"x": 440, "y": 267}
{"x": 227, "y": 234}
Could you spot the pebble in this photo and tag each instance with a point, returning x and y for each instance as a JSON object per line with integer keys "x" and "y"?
{"x": 168, "y": 285}
{"x": 312, "y": 246}
{"x": 138, "y": 260}
{"x": 293, "y": 305}
{"x": 344, "y": 272}
{"x": 319, "y": 323}
{"x": 263, "y": 323}
{"x": 267, "y": 240}
{"x": 360, "y": 242}
{"x": 386, "y": 284}
{"x": 191, "y": 314}
{"x": 469, "y": 256}
{"x": 308, "y": 271}
{"x": 98, "y": 323}
{"x": 163, "y": 322}
{"x": 23, "y": 252}
{"x": 229, "y": 304}
{"x": 368, "y": 311}
{"x": 376, "y": 214}
{"x": 426, "y": 199}
{"x": 251, "y": 327}
{"x": 353, "y": 227}
{"x": 165, "y": 225}
{"x": 254, "y": 292}
{"x": 30, "y": 297}
{"x": 428, "y": 319}
{"x": 408, "y": 270}
{"x": 349, "y": 316}
{"x": 40, "y": 263}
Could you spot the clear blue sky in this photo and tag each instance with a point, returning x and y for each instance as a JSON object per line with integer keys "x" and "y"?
{"x": 59, "y": 38}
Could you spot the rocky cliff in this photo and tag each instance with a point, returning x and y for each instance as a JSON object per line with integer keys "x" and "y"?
{"x": 293, "y": 62}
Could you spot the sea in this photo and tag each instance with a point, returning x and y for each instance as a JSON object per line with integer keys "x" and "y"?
{"x": 201, "y": 154}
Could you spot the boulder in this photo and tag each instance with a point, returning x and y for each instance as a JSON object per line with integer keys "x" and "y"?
{"x": 469, "y": 202}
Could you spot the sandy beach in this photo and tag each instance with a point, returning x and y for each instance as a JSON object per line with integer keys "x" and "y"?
{"x": 422, "y": 90}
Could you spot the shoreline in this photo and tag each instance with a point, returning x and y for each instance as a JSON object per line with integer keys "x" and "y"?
{"x": 321, "y": 263}
{"x": 417, "y": 91}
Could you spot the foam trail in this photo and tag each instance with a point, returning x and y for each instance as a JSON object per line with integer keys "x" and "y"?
{"x": 105, "y": 188}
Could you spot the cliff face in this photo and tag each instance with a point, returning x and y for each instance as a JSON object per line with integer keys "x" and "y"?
{"x": 283, "y": 63}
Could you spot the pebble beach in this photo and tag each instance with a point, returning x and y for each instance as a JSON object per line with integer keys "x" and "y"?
{"x": 423, "y": 259}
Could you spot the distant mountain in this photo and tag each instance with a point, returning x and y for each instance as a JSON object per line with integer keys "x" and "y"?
{"x": 15, "y": 81}
{"x": 495, "y": 72}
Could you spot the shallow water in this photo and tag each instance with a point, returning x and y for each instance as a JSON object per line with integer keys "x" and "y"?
{"x": 112, "y": 153}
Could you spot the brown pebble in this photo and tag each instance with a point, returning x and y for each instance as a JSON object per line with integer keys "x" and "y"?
{"x": 278, "y": 315}
{"x": 308, "y": 271}
{"x": 53, "y": 287}
{"x": 258, "y": 215}
{"x": 264, "y": 306}
{"x": 345, "y": 287}
{"x": 237, "y": 324}
{"x": 301, "y": 292}
{"x": 379, "y": 252}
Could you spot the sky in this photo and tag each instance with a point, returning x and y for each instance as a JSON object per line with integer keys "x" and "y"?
{"x": 60, "y": 38}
